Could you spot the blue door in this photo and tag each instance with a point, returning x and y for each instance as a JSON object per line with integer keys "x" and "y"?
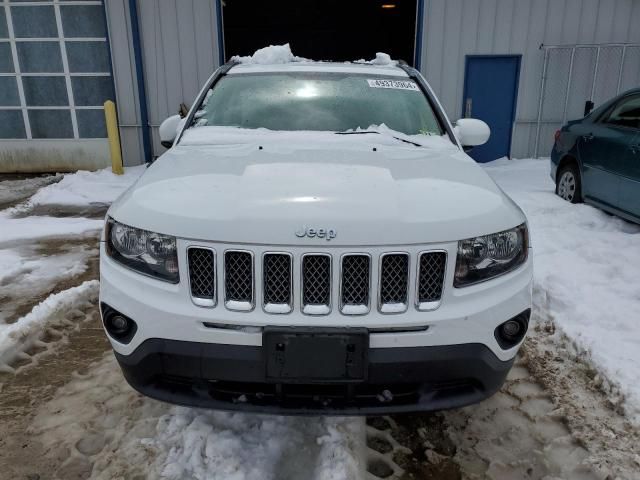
{"x": 490, "y": 94}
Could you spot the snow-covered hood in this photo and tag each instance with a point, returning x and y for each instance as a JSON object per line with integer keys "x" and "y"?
{"x": 367, "y": 193}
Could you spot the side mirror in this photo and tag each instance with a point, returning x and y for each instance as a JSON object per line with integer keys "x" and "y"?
{"x": 168, "y": 130}
{"x": 588, "y": 107}
{"x": 472, "y": 132}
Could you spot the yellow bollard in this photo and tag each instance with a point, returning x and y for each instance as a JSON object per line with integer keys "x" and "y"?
{"x": 114, "y": 137}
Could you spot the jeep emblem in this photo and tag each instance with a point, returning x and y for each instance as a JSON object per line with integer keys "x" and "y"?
{"x": 326, "y": 233}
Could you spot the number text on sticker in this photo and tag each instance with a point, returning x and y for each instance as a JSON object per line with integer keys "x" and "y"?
{"x": 397, "y": 84}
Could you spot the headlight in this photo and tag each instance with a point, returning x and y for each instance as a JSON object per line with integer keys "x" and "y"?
{"x": 150, "y": 253}
{"x": 482, "y": 258}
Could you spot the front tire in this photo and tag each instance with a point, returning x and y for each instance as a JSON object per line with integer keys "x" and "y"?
{"x": 569, "y": 184}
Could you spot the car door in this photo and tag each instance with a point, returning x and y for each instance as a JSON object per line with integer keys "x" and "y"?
{"x": 605, "y": 152}
{"x": 630, "y": 178}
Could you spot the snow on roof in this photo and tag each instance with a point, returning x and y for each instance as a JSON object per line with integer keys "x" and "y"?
{"x": 271, "y": 55}
{"x": 278, "y": 58}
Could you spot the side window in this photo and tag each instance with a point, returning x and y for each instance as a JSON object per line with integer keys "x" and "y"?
{"x": 625, "y": 114}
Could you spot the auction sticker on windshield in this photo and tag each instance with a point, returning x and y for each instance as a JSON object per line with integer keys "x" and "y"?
{"x": 397, "y": 84}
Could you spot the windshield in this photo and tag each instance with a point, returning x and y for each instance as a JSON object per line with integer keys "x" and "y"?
{"x": 333, "y": 102}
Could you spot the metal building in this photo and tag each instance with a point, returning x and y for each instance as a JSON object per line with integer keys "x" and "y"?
{"x": 524, "y": 66}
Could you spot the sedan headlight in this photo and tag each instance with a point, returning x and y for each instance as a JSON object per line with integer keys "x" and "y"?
{"x": 147, "y": 252}
{"x": 488, "y": 256}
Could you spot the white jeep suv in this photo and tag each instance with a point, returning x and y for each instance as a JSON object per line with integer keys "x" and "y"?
{"x": 316, "y": 240}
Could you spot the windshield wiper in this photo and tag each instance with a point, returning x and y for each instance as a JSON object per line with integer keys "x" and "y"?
{"x": 362, "y": 132}
{"x": 380, "y": 133}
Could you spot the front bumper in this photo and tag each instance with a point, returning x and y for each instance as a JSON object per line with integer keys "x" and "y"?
{"x": 427, "y": 360}
{"x": 232, "y": 377}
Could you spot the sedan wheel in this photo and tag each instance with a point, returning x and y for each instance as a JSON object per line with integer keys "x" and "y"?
{"x": 568, "y": 186}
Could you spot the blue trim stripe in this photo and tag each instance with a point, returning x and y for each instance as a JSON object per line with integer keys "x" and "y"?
{"x": 142, "y": 91}
{"x": 417, "y": 61}
{"x": 220, "y": 23}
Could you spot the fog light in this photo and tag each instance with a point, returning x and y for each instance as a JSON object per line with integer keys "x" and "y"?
{"x": 118, "y": 326}
{"x": 511, "y": 329}
{"x": 511, "y": 332}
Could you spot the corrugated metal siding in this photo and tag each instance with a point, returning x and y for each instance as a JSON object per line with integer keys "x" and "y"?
{"x": 179, "y": 49}
{"x": 455, "y": 28}
{"x": 179, "y": 45}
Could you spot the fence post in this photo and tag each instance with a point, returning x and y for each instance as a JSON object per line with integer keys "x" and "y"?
{"x": 114, "y": 137}
{"x": 566, "y": 94}
{"x": 621, "y": 71}
{"x": 595, "y": 75}
{"x": 542, "y": 82}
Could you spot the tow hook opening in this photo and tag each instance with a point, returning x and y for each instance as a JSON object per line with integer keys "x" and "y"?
{"x": 511, "y": 332}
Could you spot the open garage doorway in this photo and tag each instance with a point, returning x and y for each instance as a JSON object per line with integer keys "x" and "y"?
{"x": 322, "y": 29}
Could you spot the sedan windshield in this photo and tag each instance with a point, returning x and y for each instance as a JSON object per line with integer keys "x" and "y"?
{"x": 332, "y": 102}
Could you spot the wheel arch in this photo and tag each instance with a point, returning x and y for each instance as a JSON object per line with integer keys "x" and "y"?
{"x": 569, "y": 159}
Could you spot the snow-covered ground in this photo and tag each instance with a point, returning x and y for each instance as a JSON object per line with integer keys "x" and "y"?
{"x": 96, "y": 426}
{"x": 29, "y": 267}
{"x": 586, "y": 274}
{"x": 87, "y": 188}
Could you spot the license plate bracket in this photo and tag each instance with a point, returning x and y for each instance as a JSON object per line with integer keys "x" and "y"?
{"x": 315, "y": 355}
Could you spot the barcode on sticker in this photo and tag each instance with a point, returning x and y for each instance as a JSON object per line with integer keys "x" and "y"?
{"x": 397, "y": 84}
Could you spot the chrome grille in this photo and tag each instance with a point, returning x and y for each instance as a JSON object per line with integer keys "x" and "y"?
{"x": 276, "y": 274}
{"x": 238, "y": 279}
{"x": 316, "y": 284}
{"x": 355, "y": 284}
{"x": 432, "y": 266}
{"x": 202, "y": 276}
{"x": 390, "y": 287}
{"x": 394, "y": 282}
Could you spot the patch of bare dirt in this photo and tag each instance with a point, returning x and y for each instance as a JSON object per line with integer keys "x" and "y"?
{"x": 97, "y": 210}
{"x": 63, "y": 351}
{"x": 15, "y": 188}
{"x": 584, "y": 399}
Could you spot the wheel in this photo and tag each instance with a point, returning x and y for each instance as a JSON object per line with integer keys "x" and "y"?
{"x": 568, "y": 185}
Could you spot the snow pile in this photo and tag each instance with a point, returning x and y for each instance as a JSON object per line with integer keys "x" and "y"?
{"x": 382, "y": 59}
{"x": 207, "y": 445}
{"x": 30, "y": 272}
{"x": 13, "y": 230}
{"x": 279, "y": 54}
{"x": 586, "y": 280}
{"x": 87, "y": 188}
{"x": 10, "y": 264}
{"x": 271, "y": 55}
{"x": 17, "y": 337}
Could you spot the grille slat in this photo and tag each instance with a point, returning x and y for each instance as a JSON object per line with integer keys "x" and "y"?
{"x": 394, "y": 282}
{"x": 277, "y": 279}
{"x": 202, "y": 276}
{"x": 355, "y": 284}
{"x": 432, "y": 266}
{"x": 238, "y": 280}
{"x": 316, "y": 284}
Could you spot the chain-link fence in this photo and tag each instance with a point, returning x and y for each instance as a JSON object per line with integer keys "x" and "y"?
{"x": 577, "y": 74}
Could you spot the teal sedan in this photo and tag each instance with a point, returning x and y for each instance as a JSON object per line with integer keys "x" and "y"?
{"x": 597, "y": 159}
